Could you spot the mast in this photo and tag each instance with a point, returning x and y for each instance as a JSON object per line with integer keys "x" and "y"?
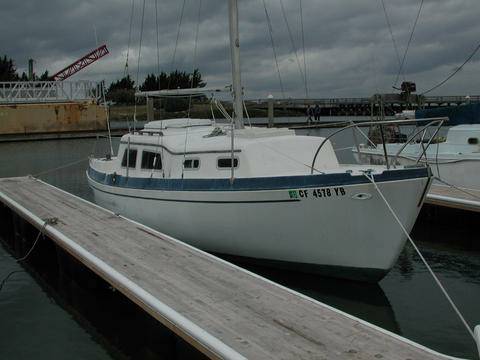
{"x": 235, "y": 55}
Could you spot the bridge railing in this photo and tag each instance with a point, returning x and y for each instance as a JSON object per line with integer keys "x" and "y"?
{"x": 49, "y": 91}
{"x": 454, "y": 99}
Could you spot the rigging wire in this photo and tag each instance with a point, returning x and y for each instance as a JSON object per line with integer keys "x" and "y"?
{"x": 402, "y": 64}
{"x": 270, "y": 30}
{"x": 180, "y": 20}
{"x": 213, "y": 113}
{"x": 125, "y": 71}
{"x": 287, "y": 156}
{"x": 107, "y": 114}
{"x": 246, "y": 113}
{"x": 140, "y": 43}
{"x": 160, "y": 134}
{"x": 303, "y": 47}
{"x": 389, "y": 25}
{"x": 158, "y": 48}
{"x": 294, "y": 48}
{"x": 191, "y": 83}
{"x": 195, "y": 54}
{"x": 455, "y": 72}
{"x": 138, "y": 66}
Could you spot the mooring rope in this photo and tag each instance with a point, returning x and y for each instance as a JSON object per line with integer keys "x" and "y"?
{"x": 60, "y": 167}
{"x": 41, "y": 232}
{"x": 440, "y": 285}
{"x": 34, "y": 244}
{"x": 5, "y": 279}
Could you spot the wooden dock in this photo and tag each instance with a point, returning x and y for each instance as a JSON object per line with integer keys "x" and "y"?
{"x": 224, "y": 311}
{"x": 443, "y": 195}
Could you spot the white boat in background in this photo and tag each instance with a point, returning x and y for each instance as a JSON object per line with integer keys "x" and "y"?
{"x": 260, "y": 193}
{"x": 405, "y": 114}
{"x": 455, "y": 160}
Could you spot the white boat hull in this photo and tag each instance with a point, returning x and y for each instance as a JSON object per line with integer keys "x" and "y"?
{"x": 354, "y": 235}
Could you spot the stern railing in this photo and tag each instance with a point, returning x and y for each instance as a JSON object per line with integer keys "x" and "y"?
{"x": 438, "y": 122}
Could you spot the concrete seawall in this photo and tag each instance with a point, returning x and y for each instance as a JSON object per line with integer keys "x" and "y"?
{"x": 44, "y": 118}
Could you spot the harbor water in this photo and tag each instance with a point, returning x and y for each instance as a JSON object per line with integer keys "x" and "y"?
{"x": 37, "y": 324}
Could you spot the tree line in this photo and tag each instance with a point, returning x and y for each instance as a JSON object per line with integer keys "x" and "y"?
{"x": 121, "y": 91}
{"x": 8, "y": 72}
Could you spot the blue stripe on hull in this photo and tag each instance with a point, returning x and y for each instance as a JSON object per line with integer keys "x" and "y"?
{"x": 253, "y": 184}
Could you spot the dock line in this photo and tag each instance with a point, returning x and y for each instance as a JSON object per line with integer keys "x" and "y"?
{"x": 51, "y": 221}
{"x": 476, "y": 333}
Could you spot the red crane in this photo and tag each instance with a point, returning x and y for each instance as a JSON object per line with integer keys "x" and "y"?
{"x": 80, "y": 63}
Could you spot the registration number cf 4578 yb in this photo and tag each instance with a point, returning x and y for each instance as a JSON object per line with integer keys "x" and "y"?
{"x": 316, "y": 193}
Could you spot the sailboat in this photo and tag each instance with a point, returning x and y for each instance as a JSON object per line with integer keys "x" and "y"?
{"x": 260, "y": 193}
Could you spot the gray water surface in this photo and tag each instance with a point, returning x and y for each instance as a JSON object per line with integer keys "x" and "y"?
{"x": 407, "y": 302}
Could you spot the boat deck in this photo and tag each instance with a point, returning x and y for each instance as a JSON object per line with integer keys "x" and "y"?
{"x": 221, "y": 309}
{"x": 447, "y": 196}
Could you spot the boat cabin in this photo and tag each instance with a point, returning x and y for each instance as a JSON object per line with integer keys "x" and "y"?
{"x": 198, "y": 148}
{"x": 464, "y": 135}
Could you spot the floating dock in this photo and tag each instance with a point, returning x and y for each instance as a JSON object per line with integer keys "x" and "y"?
{"x": 221, "y": 309}
{"x": 447, "y": 196}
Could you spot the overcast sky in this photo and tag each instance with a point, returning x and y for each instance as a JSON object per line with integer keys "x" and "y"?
{"x": 348, "y": 47}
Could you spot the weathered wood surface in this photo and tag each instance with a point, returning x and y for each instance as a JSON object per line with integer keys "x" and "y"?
{"x": 257, "y": 318}
{"x": 465, "y": 199}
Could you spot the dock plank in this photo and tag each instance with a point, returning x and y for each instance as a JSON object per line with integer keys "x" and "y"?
{"x": 463, "y": 199}
{"x": 251, "y": 315}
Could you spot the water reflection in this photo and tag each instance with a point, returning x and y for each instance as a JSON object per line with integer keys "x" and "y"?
{"x": 422, "y": 312}
{"x": 404, "y": 265}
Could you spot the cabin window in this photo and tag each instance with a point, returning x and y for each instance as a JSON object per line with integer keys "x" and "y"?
{"x": 151, "y": 160}
{"x": 132, "y": 158}
{"x": 473, "y": 141}
{"x": 224, "y": 163}
{"x": 191, "y": 164}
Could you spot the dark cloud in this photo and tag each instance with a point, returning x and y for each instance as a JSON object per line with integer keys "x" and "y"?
{"x": 348, "y": 47}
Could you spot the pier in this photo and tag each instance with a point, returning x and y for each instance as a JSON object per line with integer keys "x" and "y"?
{"x": 50, "y": 109}
{"x": 447, "y": 196}
{"x": 222, "y": 310}
{"x": 363, "y": 106}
